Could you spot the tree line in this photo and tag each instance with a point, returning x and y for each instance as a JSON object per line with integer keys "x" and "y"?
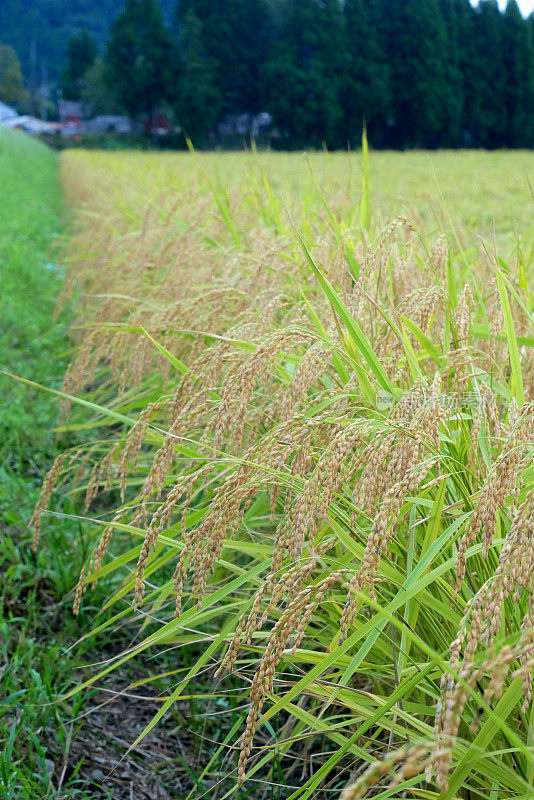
{"x": 419, "y": 73}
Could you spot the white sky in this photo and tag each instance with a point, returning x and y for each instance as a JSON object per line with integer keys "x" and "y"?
{"x": 526, "y": 6}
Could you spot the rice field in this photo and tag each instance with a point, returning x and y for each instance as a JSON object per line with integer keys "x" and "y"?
{"x": 301, "y": 396}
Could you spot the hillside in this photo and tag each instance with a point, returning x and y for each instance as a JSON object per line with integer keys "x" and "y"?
{"x": 39, "y": 30}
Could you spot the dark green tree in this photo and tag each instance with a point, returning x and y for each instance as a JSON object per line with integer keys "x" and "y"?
{"x": 518, "y": 61}
{"x": 81, "y": 55}
{"x": 458, "y": 16}
{"x": 234, "y": 39}
{"x": 141, "y": 58}
{"x": 97, "y": 93}
{"x": 416, "y": 46}
{"x": 11, "y": 81}
{"x": 305, "y": 75}
{"x": 199, "y": 101}
{"x": 366, "y": 94}
{"x": 486, "y": 115}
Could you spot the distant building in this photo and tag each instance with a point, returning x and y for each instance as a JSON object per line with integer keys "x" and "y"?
{"x": 6, "y": 113}
{"x": 108, "y": 123}
{"x": 157, "y": 125}
{"x": 71, "y": 117}
{"x": 31, "y": 125}
{"x": 262, "y": 124}
{"x": 245, "y": 125}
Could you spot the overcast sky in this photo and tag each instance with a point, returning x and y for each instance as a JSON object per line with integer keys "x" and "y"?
{"x": 526, "y": 6}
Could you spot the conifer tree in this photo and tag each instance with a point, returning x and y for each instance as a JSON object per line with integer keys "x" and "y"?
{"x": 306, "y": 72}
{"x": 199, "y": 102}
{"x": 417, "y": 42}
{"x": 518, "y": 64}
{"x": 81, "y": 55}
{"x": 234, "y": 40}
{"x": 366, "y": 93}
{"x": 141, "y": 58}
{"x": 486, "y": 113}
{"x": 458, "y": 18}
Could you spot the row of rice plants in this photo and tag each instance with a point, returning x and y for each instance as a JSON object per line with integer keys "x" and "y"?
{"x": 311, "y": 465}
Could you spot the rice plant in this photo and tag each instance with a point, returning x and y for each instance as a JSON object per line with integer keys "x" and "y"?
{"x": 309, "y": 438}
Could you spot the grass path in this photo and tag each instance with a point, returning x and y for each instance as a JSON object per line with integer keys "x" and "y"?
{"x": 31, "y": 345}
{"x": 34, "y": 628}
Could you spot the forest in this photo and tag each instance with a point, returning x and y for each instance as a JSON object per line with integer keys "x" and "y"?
{"x": 421, "y": 73}
{"x": 418, "y": 73}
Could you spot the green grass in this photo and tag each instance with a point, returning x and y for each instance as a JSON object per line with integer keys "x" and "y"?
{"x": 35, "y": 628}
{"x": 30, "y": 343}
